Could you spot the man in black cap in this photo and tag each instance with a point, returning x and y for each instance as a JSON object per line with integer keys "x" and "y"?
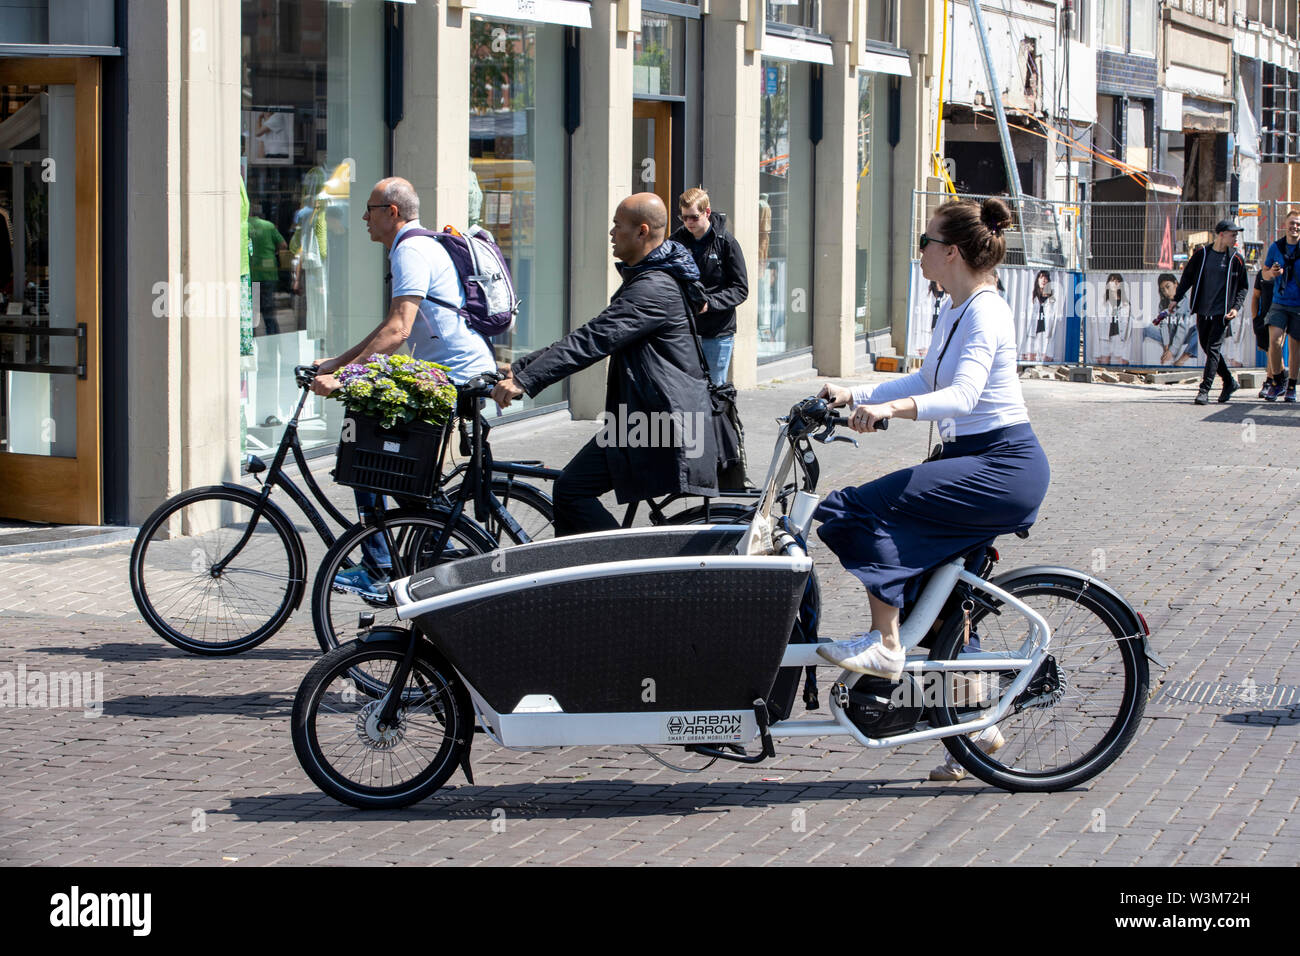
{"x": 1217, "y": 276}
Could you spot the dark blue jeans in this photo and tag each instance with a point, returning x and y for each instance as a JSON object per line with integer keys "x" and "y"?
{"x": 373, "y": 546}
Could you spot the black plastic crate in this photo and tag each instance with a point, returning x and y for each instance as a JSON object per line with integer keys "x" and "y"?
{"x": 398, "y": 461}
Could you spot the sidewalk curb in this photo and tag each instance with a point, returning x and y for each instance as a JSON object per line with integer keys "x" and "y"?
{"x": 64, "y": 538}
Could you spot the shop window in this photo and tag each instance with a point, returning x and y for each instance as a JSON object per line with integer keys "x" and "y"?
{"x": 311, "y": 148}
{"x": 517, "y": 182}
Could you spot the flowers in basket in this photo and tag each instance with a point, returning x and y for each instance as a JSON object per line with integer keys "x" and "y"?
{"x": 397, "y": 390}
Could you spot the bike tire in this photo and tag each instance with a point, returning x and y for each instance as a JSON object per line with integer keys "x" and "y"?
{"x": 1054, "y": 745}
{"x": 343, "y": 751}
{"x": 334, "y": 612}
{"x": 248, "y": 601}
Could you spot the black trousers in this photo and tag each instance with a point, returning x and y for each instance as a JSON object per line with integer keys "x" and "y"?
{"x": 1211, "y": 329}
{"x": 584, "y": 479}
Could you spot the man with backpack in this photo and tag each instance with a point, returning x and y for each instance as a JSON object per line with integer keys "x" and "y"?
{"x": 426, "y": 312}
{"x": 722, "y": 274}
{"x": 656, "y": 373}
{"x": 1283, "y": 317}
{"x": 1216, "y": 275}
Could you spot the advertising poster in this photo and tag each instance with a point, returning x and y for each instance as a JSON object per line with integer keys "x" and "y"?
{"x": 1039, "y": 300}
{"x": 1120, "y": 310}
{"x": 268, "y": 133}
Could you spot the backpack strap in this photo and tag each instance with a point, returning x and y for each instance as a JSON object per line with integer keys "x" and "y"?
{"x": 431, "y": 234}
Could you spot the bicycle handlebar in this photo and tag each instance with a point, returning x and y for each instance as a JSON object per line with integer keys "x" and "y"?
{"x": 481, "y": 385}
{"x": 304, "y": 374}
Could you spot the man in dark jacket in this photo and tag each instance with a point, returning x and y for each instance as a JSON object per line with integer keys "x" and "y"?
{"x": 722, "y": 273}
{"x": 657, "y": 433}
{"x": 1217, "y": 276}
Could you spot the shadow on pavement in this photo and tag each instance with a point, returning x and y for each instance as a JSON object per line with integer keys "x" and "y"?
{"x": 196, "y": 705}
{"x": 596, "y": 798}
{"x": 163, "y": 651}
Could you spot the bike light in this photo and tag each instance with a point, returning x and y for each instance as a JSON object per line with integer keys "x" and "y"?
{"x": 1145, "y": 627}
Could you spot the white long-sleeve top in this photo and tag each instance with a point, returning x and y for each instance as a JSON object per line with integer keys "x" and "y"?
{"x": 977, "y": 386}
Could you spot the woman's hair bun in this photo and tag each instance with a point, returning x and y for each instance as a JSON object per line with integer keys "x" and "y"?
{"x": 995, "y": 215}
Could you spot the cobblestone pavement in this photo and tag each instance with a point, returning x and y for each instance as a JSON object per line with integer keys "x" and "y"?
{"x": 1189, "y": 511}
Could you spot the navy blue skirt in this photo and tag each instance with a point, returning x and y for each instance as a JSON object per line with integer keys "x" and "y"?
{"x": 891, "y": 530}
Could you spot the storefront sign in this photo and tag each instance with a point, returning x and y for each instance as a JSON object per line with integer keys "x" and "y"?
{"x": 569, "y": 13}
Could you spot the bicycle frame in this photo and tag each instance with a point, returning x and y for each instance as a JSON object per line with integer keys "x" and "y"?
{"x": 275, "y": 477}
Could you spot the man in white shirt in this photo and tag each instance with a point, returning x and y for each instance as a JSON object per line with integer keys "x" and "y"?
{"x": 420, "y": 268}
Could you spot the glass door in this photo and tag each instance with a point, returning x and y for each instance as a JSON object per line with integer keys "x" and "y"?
{"x": 49, "y": 290}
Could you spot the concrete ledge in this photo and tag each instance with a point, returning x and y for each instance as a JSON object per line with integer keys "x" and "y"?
{"x": 61, "y": 537}
{"x": 797, "y": 366}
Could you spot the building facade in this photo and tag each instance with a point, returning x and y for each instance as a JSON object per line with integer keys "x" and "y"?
{"x": 225, "y": 150}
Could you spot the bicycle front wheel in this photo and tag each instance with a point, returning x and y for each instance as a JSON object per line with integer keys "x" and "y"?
{"x": 352, "y": 755}
{"x": 409, "y": 538}
{"x": 214, "y": 572}
{"x": 1079, "y": 711}
{"x": 530, "y": 507}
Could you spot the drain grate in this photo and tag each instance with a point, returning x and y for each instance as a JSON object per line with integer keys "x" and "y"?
{"x": 1247, "y": 693}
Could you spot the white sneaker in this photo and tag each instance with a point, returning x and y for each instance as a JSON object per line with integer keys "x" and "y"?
{"x": 989, "y": 740}
{"x": 865, "y": 655}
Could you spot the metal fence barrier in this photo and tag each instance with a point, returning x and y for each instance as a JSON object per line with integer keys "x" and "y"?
{"x": 1080, "y": 249}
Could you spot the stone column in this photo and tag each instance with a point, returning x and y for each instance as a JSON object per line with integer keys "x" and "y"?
{"x": 834, "y": 262}
{"x": 731, "y": 91}
{"x": 431, "y": 144}
{"x": 602, "y": 178}
{"x": 183, "y": 230}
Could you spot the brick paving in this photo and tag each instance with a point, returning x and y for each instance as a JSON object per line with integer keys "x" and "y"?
{"x": 1189, "y": 511}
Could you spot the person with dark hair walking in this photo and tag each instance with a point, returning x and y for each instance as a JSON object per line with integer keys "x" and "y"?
{"x": 1216, "y": 275}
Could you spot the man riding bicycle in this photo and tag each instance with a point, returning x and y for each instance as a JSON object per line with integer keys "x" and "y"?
{"x": 658, "y": 436}
{"x": 420, "y": 268}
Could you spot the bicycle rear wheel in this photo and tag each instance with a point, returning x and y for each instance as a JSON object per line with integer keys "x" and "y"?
{"x": 212, "y": 574}
{"x": 1081, "y": 709}
{"x": 414, "y": 534}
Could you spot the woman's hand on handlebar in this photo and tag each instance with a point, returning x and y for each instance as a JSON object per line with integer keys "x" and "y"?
{"x": 865, "y": 418}
{"x": 835, "y": 395}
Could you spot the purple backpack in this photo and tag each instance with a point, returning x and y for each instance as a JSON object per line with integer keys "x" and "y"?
{"x": 490, "y": 301}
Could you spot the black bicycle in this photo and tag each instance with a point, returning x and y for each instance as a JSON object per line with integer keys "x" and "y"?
{"x": 218, "y": 569}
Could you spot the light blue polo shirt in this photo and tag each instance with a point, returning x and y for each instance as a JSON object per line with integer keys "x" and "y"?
{"x": 421, "y": 266}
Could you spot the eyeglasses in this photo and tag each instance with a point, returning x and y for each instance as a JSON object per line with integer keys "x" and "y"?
{"x": 926, "y": 240}
{"x": 691, "y": 218}
{"x": 379, "y": 205}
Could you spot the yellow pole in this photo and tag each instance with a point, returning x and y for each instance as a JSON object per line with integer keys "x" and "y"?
{"x": 940, "y": 170}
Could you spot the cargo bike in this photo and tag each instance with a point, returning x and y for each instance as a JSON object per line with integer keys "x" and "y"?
{"x": 696, "y": 638}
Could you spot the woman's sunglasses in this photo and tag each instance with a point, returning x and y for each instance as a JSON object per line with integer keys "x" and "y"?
{"x": 926, "y": 240}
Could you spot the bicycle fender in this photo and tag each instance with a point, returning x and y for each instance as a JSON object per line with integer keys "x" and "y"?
{"x": 1134, "y": 623}
{"x": 296, "y": 538}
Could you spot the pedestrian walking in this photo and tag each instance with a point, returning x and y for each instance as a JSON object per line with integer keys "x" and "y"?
{"x": 1217, "y": 278}
{"x": 1283, "y": 316}
{"x": 722, "y": 273}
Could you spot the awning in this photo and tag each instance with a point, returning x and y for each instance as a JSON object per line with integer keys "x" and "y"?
{"x": 895, "y": 64}
{"x": 796, "y": 48}
{"x": 569, "y": 13}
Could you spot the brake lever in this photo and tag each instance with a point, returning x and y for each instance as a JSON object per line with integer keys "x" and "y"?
{"x": 827, "y": 438}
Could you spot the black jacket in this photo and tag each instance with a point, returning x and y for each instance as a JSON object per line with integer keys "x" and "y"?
{"x": 1238, "y": 281}
{"x": 722, "y": 273}
{"x": 654, "y": 367}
